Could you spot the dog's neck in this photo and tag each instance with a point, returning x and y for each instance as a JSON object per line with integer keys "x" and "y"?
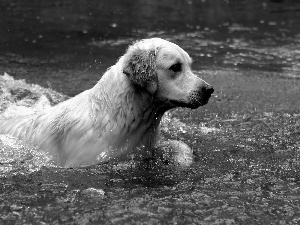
{"x": 134, "y": 111}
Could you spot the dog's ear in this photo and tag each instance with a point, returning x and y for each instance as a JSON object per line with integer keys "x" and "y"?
{"x": 140, "y": 68}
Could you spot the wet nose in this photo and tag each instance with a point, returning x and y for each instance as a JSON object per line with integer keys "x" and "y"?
{"x": 207, "y": 89}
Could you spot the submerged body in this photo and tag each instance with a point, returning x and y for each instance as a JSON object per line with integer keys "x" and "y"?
{"x": 81, "y": 128}
{"x": 120, "y": 115}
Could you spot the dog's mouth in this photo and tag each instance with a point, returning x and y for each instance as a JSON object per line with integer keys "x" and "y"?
{"x": 195, "y": 103}
{"x": 194, "y": 100}
{"x": 192, "y": 104}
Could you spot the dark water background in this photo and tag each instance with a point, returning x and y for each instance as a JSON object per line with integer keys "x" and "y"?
{"x": 246, "y": 140}
{"x": 76, "y": 42}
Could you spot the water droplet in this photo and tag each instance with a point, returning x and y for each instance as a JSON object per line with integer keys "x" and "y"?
{"x": 272, "y": 23}
{"x": 114, "y": 25}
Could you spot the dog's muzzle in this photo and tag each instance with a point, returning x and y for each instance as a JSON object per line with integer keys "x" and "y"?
{"x": 201, "y": 96}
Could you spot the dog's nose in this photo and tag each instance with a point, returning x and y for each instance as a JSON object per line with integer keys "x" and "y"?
{"x": 207, "y": 89}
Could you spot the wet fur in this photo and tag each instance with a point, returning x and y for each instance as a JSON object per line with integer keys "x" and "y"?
{"x": 120, "y": 115}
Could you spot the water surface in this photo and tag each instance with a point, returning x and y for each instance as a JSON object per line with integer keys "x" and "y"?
{"x": 245, "y": 141}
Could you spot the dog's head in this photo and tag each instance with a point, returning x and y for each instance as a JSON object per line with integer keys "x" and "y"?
{"x": 163, "y": 69}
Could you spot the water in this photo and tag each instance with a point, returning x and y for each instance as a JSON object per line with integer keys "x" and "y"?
{"x": 245, "y": 141}
{"x": 61, "y": 38}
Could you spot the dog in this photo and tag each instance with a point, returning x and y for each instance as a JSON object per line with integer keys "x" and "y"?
{"x": 118, "y": 117}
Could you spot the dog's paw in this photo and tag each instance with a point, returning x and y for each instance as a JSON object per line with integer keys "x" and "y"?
{"x": 173, "y": 152}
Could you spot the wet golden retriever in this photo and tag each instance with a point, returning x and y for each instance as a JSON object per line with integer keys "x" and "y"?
{"x": 120, "y": 115}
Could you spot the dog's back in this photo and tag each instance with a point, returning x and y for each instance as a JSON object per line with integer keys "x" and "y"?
{"x": 19, "y": 127}
{"x": 49, "y": 129}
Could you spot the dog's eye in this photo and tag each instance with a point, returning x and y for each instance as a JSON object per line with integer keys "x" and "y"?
{"x": 176, "y": 67}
